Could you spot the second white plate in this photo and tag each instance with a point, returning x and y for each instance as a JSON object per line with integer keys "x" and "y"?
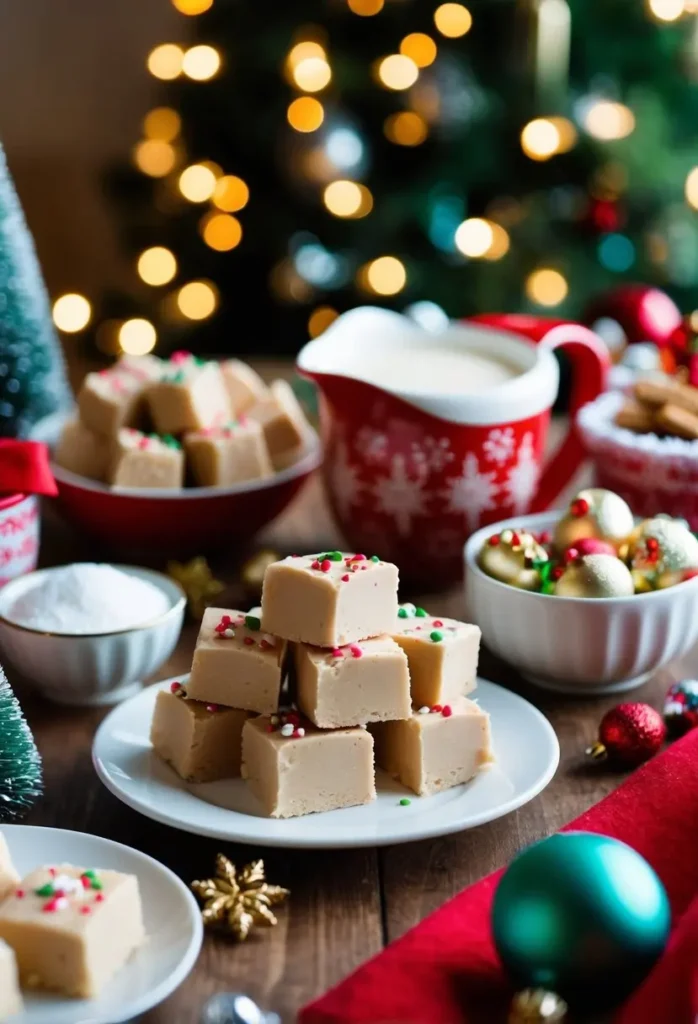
{"x": 525, "y": 745}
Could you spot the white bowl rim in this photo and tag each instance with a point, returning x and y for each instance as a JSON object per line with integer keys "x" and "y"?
{"x": 537, "y": 521}
{"x": 156, "y": 578}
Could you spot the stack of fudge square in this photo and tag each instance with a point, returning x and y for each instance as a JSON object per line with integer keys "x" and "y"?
{"x": 371, "y": 682}
{"x": 156, "y": 423}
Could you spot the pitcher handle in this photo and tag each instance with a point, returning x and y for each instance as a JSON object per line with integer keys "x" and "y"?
{"x": 590, "y": 365}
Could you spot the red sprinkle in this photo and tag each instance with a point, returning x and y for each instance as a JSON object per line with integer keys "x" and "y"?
{"x": 515, "y": 540}
{"x": 225, "y": 620}
{"x": 579, "y": 507}
{"x": 86, "y": 882}
{"x": 175, "y": 687}
{"x": 437, "y": 623}
{"x": 571, "y": 555}
{"x": 336, "y": 653}
{"x": 52, "y": 872}
{"x": 296, "y": 734}
{"x": 20, "y": 894}
{"x": 356, "y": 651}
{"x": 689, "y": 574}
{"x": 99, "y": 898}
{"x": 345, "y": 579}
{"x": 446, "y": 711}
{"x": 494, "y": 540}
{"x": 358, "y": 558}
{"x": 436, "y": 708}
{"x": 557, "y": 572}
{"x": 326, "y": 565}
{"x": 315, "y": 565}
{"x": 265, "y": 645}
{"x": 180, "y": 356}
{"x": 652, "y": 544}
{"x": 545, "y": 537}
{"x": 292, "y": 717}
{"x": 85, "y": 910}
{"x": 364, "y": 567}
{"x": 248, "y": 640}
{"x": 212, "y": 707}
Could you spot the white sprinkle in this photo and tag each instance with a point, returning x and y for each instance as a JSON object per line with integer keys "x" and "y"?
{"x": 409, "y": 608}
{"x": 287, "y": 730}
{"x": 61, "y": 903}
{"x": 268, "y": 638}
{"x": 228, "y": 632}
{"x": 424, "y": 710}
{"x": 300, "y": 731}
{"x": 68, "y": 884}
{"x": 274, "y": 719}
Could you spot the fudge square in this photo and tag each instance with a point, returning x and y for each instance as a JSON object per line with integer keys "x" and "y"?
{"x": 82, "y": 451}
{"x": 244, "y": 385}
{"x": 72, "y": 928}
{"x": 10, "y": 998}
{"x": 8, "y": 874}
{"x": 283, "y": 421}
{"x": 442, "y": 655}
{"x": 190, "y": 395}
{"x": 235, "y": 663}
{"x": 435, "y": 748}
{"x": 146, "y": 460}
{"x": 294, "y": 768}
{"x": 330, "y": 599}
{"x": 220, "y": 456}
{"x": 202, "y": 742}
{"x": 364, "y": 682}
{"x": 111, "y": 399}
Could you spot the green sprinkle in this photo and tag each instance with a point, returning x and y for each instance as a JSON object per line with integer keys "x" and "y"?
{"x": 375, "y": 558}
{"x": 548, "y": 587}
{"x": 436, "y": 636}
{"x": 95, "y": 884}
{"x": 198, "y": 361}
{"x": 335, "y": 556}
{"x": 89, "y": 873}
{"x": 405, "y": 802}
{"x": 402, "y": 613}
{"x": 170, "y": 441}
{"x": 45, "y": 890}
{"x": 253, "y": 622}
{"x": 420, "y": 613}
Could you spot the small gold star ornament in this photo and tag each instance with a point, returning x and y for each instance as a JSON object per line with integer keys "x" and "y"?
{"x": 252, "y": 572}
{"x": 237, "y": 901}
{"x": 537, "y": 1006}
{"x": 196, "y": 580}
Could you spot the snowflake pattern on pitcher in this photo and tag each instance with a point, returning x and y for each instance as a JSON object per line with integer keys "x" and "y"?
{"x": 471, "y": 493}
{"x": 372, "y": 445}
{"x": 434, "y": 453}
{"x": 499, "y": 445}
{"x": 401, "y": 495}
{"x": 345, "y": 478}
{"x": 523, "y": 476}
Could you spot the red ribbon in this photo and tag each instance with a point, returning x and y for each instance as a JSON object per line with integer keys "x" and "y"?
{"x": 24, "y": 468}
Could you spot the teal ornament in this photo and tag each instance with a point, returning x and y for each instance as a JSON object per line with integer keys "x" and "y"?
{"x": 582, "y": 915}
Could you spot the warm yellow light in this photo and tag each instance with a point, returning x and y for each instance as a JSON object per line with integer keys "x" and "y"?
{"x": 320, "y": 319}
{"x": 607, "y": 120}
{"x": 201, "y": 62}
{"x": 305, "y": 114}
{"x": 667, "y": 10}
{"x": 304, "y": 51}
{"x": 566, "y": 131}
{"x": 154, "y": 157}
{"x": 165, "y": 61}
{"x": 162, "y": 123}
{"x": 540, "y": 139}
{"x": 453, "y": 20}
{"x": 197, "y": 183}
{"x": 192, "y": 6}
{"x": 348, "y": 199}
{"x": 691, "y": 188}
{"x": 312, "y": 74}
{"x": 197, "y": 300}
{"x": 157, "y": 266}
{"x": 137, "y": 337}
{"x": 366, "y": 8}
{"x": 474, "y": 237}
{"x": 406, "y": 128}
{"x": 397, "y": 71}
{"x": 420, "y": 48}
{"x": 385, "y": 276}
{"x": 546, "y": 287}
{"x": 499, "y": 245}
{"x": 71, "y": 313}
{"x": 230, "y": 194}
{"x": 221, "y": 231}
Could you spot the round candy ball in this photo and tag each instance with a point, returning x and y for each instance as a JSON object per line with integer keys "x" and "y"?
{"x": 681, "y": 707}
{"x": 509, "y": 557}
{"x": 581, "y": 914}
{"x": 595, "y": 576}
{"x": 589, "y": 546}
{"x": 596, "y": 513}
{"x": 661, "y": 552}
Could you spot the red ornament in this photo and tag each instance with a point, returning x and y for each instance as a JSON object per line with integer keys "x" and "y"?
{"x": 629, "y": 734}
{"x": 644, "y": 313}
{"x": 604, "y": 215}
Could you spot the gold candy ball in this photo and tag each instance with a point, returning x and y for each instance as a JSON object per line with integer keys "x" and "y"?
{"x": 509, "y": 556}
{"x": 595, "y": 576}
{"x": 660, "y": 552}
{"x": 596, "y": 513}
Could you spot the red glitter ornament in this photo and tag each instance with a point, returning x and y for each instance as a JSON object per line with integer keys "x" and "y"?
{"x": 644, "y": 313}
{"x": 629, "y": 734}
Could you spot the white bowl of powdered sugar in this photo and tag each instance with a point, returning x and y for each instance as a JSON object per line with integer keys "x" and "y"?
{"x": 89, "y": 633}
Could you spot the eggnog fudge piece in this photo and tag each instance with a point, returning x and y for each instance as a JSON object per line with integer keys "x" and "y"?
{"x": 220, "y": 456}
{"x": 236, "y": 663}
{"x": 10, "y": 998}
{"x": 8, "y": 874}
{"x": 82, "y": 451}
{"x": 244, "y": 385}
{"x": 146, "y": 460}
{"x": 72, "y": 928}
{"x": 442, "y": 655}
{"x": 190, "y": 395}
{"x": 330, "y": 599}
{"x": 294, "y": 768}
{"x": 367, "y": 681}
{"x": 283, "y": 421}
{"x": 202, "y": 742}
{"x": 435, "y": 748}
{"x": 111, "y": 399}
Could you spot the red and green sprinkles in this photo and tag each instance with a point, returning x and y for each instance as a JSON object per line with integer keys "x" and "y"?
{"x": 287, "y": 724}
{"x": 57, "y": 891}
{"x": 436, "y": 636}
{"x": 436, "y": 709}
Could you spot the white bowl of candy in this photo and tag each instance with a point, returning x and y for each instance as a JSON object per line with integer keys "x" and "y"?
{"x": 588, "y": 600}
{"x": 89, "y": 634}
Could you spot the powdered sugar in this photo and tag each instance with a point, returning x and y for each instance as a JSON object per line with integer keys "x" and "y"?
{"x": 87, "y": 598}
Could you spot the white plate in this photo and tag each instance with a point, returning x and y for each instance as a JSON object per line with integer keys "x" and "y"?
{"x": 525, "y": 745}
{"x": 172, "y": 923}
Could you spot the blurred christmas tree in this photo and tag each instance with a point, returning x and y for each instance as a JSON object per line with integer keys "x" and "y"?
{"x": 311, "y": 156}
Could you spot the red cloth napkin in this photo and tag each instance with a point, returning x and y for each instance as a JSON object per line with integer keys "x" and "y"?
{"x": 24, "y": 468}
{"x": 446, "y": 971}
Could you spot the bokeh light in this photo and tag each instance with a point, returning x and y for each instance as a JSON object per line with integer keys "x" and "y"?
{"x": 420, "y": 48}
{"x": 691, "y": 188}
{"x": 230, "y": 194}
{"x": 192, "y": 7}
{"x": 71, "y": 313}
{"x": 384, "y": 276}
{"x": 667, "y": 10}
{"x": 305, "y": 114}
{"x": 201, "y": 62}
{"x": 154, "y": 157}
{"x": 616, "y": 252}
{"x": 474, "y": 237}
{"x": 366, "y": 8}
{"x": 312, "y": 74}
{"x": 397, "y": 71}
{"x": 453, "y": 20}
{"x": 165, "y": 61}
{"x": 221, "y": 231}
{"x": 157, "y": 265}
{"x": 607, "y": 120}
{"x": 197, "y": 183}
{"x": 406, "y": 128}
{"x": 162, "y": 123}
{"x": 348, "y": 199}
{"x": 137, "y": 337}
{"x": 197, "y": 300}
{"x": 546, "y": 287}
{"x": 320, "y": 319}
{"x": 540, "y": 139}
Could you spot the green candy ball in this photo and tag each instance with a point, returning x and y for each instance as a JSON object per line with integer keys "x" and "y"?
{"x": 580, "y": 914}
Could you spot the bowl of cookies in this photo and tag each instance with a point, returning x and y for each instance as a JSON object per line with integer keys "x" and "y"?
{"x": 179, "y": 455}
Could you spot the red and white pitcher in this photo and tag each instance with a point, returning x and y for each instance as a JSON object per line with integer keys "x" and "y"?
{"x": 428, "y": 437}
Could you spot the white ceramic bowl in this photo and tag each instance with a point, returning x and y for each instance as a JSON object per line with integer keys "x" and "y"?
{"x": 576, "y": 645}
{"x": 91, "y": 669}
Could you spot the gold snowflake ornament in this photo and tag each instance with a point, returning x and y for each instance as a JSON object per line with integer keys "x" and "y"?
{"x": 237, "y": 901}
{"x": 196, "y": 580}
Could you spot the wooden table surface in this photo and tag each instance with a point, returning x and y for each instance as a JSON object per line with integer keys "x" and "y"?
{"x": 345, "y": 905}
